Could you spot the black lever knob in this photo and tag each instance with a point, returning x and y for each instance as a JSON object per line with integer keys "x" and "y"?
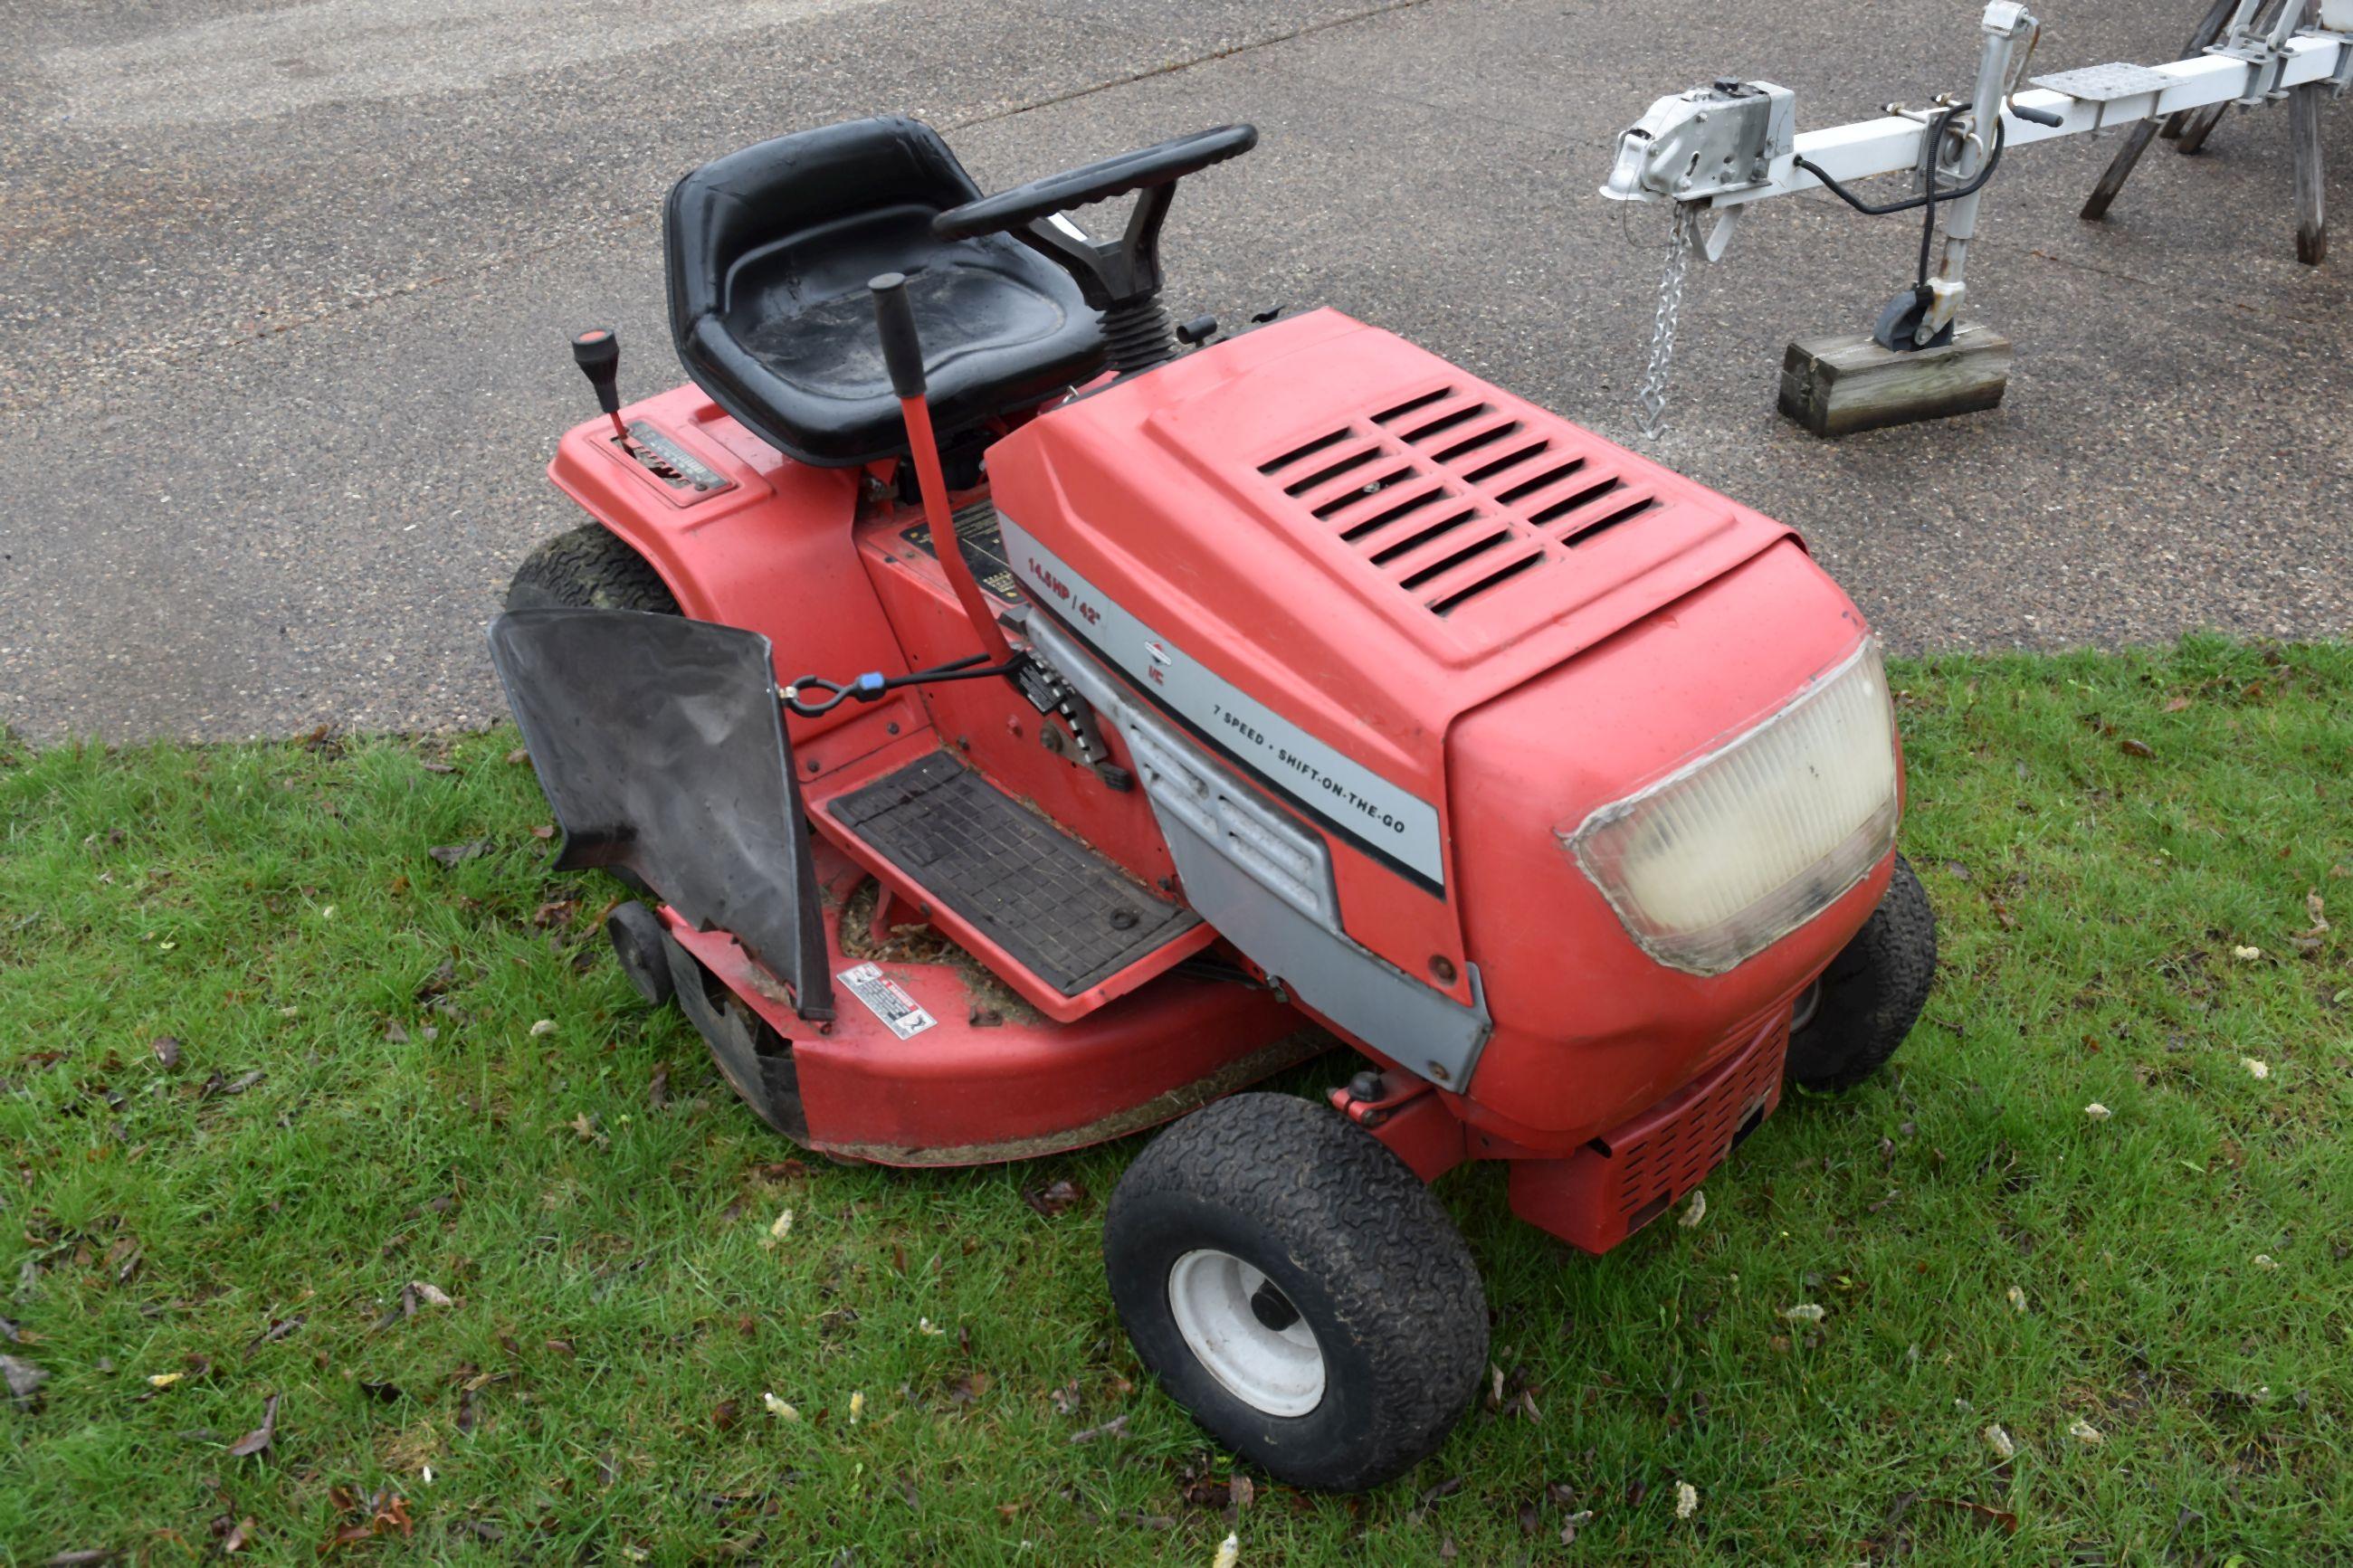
{"x": 597, "y": 352}
{"x": 902, "y": 350}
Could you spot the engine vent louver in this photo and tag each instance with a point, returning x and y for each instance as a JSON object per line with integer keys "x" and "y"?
{"x": 1451, "y": 498}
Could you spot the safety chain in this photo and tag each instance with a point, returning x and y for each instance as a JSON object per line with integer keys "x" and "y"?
{"x": 1683, "y": 235}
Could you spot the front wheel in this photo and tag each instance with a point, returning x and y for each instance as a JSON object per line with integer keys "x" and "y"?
{"x": 1297, "y": 1289}
{"x": 1866, "y": 1002}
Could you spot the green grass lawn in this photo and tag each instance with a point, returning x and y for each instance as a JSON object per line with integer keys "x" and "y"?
{"x": 266, "y": 1064}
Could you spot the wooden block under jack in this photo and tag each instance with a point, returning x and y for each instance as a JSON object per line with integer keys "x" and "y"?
{"x": 1837, "y": 385}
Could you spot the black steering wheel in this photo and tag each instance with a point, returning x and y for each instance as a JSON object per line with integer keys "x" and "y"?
{"x": 1146, "y": 169}
{"x": 1120, "y": 278}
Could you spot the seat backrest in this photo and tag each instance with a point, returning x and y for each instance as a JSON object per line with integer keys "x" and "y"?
{"x": 733, "y": 208}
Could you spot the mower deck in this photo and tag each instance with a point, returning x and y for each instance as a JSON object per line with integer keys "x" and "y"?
{"x": 1066, "y": 914}
{"x": 933, "y": 1061}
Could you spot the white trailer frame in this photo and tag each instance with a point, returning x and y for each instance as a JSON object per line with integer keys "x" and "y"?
{"x": 1721, "y": 149}
{"x": 1891, "y": 143}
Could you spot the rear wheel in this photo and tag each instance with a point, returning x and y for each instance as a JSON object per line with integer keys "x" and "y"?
{"x": 589, "y": 568}
{"x": 1298, "y": 1290}
{"x": 640, "y": 946}
{"x": 757, "y": 1061}
{"x": 1866, "y": 1002}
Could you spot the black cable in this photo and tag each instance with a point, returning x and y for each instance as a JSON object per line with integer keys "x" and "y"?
{"x": 1976, "y": 182}
{"x": 956, "y": 671}
{"x": 835, "y": 692}
{"x": 1929, "y": 196}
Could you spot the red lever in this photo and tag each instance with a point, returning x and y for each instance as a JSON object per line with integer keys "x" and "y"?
{"x": 902, "y": 351}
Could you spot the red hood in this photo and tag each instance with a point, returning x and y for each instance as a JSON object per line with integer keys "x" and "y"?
{"x": 1365, "y": 537}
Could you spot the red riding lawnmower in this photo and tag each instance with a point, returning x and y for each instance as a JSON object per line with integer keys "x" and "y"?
{"x": 1024, "y": 732}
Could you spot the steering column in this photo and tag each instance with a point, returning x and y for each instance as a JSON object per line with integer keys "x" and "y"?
{"x": 1121, "y": 277}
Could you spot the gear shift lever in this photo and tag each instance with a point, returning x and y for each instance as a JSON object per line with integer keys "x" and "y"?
{"x": 597, "y": 352}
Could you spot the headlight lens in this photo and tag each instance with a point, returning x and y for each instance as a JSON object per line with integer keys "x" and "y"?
{"x": 1732, "y": 852}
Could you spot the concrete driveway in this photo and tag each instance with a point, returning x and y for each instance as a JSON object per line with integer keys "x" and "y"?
{"x": 284, "y": 292}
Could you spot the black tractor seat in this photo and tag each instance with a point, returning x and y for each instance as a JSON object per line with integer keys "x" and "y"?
{"x": 769, "y": 251}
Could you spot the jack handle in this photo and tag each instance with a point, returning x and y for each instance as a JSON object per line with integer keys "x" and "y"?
{"x": 902, "y": 353}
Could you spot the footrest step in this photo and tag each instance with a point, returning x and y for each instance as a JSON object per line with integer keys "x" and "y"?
{"x": 1067, "y": 913}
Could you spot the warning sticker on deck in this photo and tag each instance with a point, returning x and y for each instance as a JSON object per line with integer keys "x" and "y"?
{"x": 887, "y": 1000}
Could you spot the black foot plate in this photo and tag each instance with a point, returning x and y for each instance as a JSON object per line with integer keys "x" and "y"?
{"x": 1064, "y": 911}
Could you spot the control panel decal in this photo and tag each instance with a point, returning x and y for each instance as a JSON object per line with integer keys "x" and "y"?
{"x": 983, "y": 548}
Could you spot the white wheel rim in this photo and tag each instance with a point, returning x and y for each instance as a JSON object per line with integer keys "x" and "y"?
{"x": 1278, "y": 1371}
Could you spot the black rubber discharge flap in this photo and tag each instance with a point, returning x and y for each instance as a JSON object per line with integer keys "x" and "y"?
{"x": 661, "y": 750}
{"x": 1063, "y": 911}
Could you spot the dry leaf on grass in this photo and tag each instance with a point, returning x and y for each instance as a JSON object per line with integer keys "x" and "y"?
{"x": 261, "y": 1436}
{"x": 386, "y": 1513}
{"x": 23, "y": 1377}
{"x": 277, "y": 1329}
{"x": 1055, "y": 1198}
